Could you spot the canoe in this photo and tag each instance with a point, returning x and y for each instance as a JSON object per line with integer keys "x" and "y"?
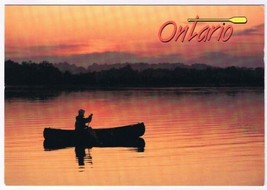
{"x": 128, "y": 136}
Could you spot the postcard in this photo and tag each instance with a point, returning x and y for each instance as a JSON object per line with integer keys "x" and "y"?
{"x": 134, "y": 95}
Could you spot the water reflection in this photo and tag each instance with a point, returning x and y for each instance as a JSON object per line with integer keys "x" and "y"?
{"x": 137, "y": 145}
{"x": 212, "y": 137}
{"x": 42, "y": 93}
{"x": 31, "y": 93}
{"x": 82, "y": 156}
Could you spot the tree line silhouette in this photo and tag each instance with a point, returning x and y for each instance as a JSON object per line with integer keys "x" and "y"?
{"x": 45, "y": 73}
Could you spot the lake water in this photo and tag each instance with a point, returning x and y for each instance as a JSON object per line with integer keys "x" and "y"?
{"x": 194, "y": 136}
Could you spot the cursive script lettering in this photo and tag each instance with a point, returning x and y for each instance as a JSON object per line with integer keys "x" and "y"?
{"x": 223, "y": 32}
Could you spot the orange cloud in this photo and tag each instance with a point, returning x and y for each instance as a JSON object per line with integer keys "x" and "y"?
{"x": 69, "y": 31}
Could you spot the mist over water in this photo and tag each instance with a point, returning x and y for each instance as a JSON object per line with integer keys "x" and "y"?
{"x": 194, "y": 136}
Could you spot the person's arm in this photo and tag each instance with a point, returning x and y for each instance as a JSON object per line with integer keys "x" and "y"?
{"x": 89, "y": 118}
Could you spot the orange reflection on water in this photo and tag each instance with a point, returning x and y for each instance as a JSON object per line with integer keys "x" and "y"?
{"x": 192, "y": 138}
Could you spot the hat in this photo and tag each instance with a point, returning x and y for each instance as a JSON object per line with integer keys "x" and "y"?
{"x": 81, "y": 111}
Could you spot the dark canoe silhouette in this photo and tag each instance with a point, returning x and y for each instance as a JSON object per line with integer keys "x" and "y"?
{"x": 123, "y": 136}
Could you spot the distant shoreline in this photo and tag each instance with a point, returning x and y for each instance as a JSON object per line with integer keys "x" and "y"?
{"x": 29, "y": 74}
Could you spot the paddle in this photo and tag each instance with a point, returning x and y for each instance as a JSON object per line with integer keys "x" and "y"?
{"x": 234, "y": 20}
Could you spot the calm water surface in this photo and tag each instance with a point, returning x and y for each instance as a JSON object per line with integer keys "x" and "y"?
{"x": 194, "y": 136}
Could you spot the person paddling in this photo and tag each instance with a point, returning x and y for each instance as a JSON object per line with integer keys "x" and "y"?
{"x": 81, "y": 121}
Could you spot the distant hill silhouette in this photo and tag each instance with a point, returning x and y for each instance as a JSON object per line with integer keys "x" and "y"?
{"x": 135, "y": 66}
{"x": 72, "y": 68}
{"x": 130, "y": 75}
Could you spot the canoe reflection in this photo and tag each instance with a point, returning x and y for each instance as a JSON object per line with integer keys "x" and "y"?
{"x": 138, "y": 143}
{"x": 82, "y": 151}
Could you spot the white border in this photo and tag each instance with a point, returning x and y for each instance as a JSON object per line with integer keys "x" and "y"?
{"x": 134, "y": 2}
{"x": 109, "y": 2}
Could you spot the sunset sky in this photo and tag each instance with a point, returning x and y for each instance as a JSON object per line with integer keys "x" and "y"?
{"x": 84, "y": 35}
